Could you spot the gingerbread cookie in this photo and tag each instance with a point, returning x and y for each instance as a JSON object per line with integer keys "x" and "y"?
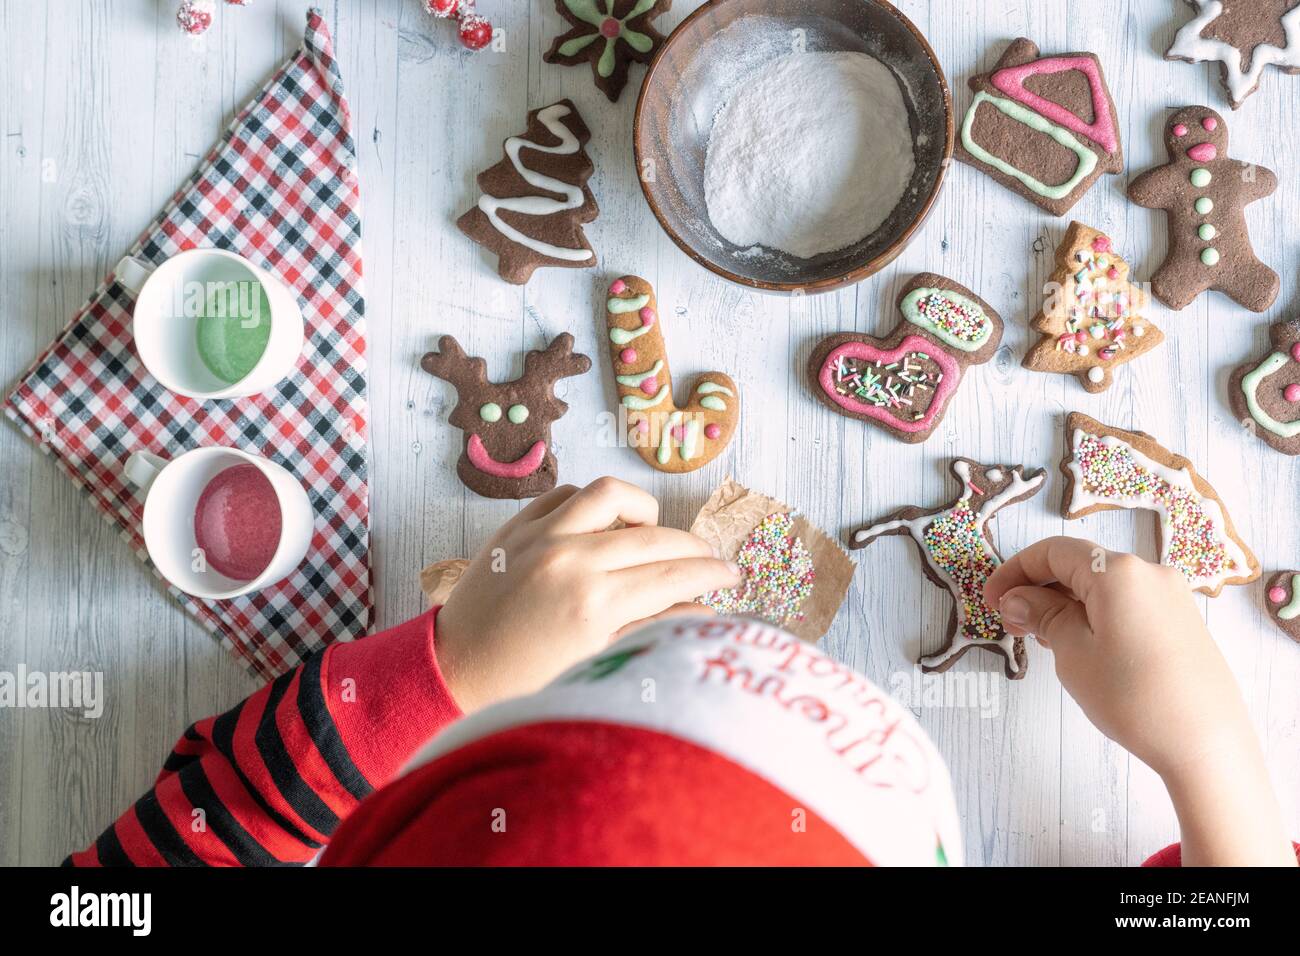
{"x": 507, "y": 425}
{"x": 1107, "y": 468}
{"x": 1245, "y": 37}
{"x": 1205, "y": 195}
{"x": 609, "y": 34}
{"x": 1266, "y": 393}
{"x": 1044, "y": 127}
{"x": 666, "y": 437}
{"x": 1283, "y": 597}
{"x": 536, "y": 200}
{"x": 1092, "y": 320}
{"x": 903, "y": 382}
{"x": 956, "y": 545}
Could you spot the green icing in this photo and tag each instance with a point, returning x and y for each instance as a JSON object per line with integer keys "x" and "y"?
{"x": 491, "y": 412}
{"x": 708, "y": 388}
{"x": 713, "y": 402}
{"x": 618, "y": 306}
{"x": 1206, "y": 231}
{"x": 1210, "y": 256}
{"x": 586, "y": 10}
{"x": 666, "y": 438}
{"x": 1250, "y": 387}
{"x": 913, "y": 314}
{"x": 518, "y": 414}
{"x": 639, "y": 403}
{"x": 1022, "y": 114}
{"x": 1201, "y": 177}
{"x": 691, "y": 440}
{"x": 577, "y": 44}
{"x": 623, "y": 336}
{"x": 1292, "y": 610}
{"x": 605, "y": 65}
{"x": 637, "y": 378}
{"x": 1204, "y": 205}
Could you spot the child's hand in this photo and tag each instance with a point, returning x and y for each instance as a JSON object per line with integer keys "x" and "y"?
{"x": 553, "y": 587}
{"x": 1130, "y": 646}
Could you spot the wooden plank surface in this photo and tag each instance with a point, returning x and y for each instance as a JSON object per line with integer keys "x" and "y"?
{"x": 105, "y": 108}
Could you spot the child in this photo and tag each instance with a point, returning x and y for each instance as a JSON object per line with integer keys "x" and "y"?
{"x": 692, "y": 740}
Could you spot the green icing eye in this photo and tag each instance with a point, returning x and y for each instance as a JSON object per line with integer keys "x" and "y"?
{"x": 517, "y": 414}
{"x": 491, "y": 412}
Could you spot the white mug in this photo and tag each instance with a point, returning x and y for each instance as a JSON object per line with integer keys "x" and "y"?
{"x": 165, "y": 335}
{"x": 172, "y": 490}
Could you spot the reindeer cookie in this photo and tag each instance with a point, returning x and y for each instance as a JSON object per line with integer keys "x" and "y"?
{"x": 957, "y": 548}
{"x": 507, "y": 425}
{"x": 666, "y": 437}
{"x": 1204, "y": 195}
{"x": 903, "y": 382}
{"x": 1266, "y": 393}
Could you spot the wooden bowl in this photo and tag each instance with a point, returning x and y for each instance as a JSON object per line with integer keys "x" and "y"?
{"x": 696, "y": 71}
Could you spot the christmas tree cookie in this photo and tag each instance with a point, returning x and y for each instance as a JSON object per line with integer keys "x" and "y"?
{"x": 1093, "y": 318}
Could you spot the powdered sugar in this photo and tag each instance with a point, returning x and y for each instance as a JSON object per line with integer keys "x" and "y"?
{"x": 810, "y": 154}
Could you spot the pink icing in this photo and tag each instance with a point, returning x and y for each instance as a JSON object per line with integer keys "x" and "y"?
{"x": 1011, "y": 82}
{"x": 627, "y": 356}
{"x": 1295, "y": 351}
{"x": 1277, "y": 595}
{"x": 519, "y": 468}
{"x": 650, "y": 385}
{"x": 1101, "y": 244}
{"x": 1180, "y": 129}
{"x": 647, "y": 316}
{"x": 712, "y": 430}
{"x": 678, "y": 432}
{"x": 1210, "y": 124}
{"x": 872, "y": 353}
{"x": 617, "y": 287}
{"x": 1203, "y": 152}
{"x": 610, "y": 28}
{"x": 642, "y": 425}
{"x": 1112, "y": 273}
{"x": 1291, "y": 393}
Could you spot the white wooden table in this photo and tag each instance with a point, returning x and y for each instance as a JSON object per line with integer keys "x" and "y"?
{"x": 106, "y": 107}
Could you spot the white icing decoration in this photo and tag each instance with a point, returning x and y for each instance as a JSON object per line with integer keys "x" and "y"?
{"x": 707, "y": 388}
{"x": 1250, "y": 388}
{"x": 635, "y": 379}
{"x": 1190, "y": 45}
{"x": 1096, "y": 374}
{"x": 1236, "y": 564}
{"x": 539, "y": 205}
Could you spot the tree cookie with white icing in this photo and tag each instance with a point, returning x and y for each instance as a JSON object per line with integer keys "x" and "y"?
{"x": 958, "y": 554}
{"x": 536, "y": 200}
{"x": 1109, "y": 468}
{"x": 666, "y": 437}
{"x": 1265, "y": 394}
{"x": 904, "y": 381}
{"x": 1245, "y": 37}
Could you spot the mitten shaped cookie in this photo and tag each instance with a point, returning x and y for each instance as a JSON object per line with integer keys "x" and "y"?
{"x": 1266, "y": 393}
{"x": 958, "y": 554}
{"x": 507, "y": 425}
{"x": 666, "y": 437}
{"x": 608, "y": 34}
{"x": 904, "y": 381}
{"x": 1204, "y": 195}
{"x": 1044, "y": 127}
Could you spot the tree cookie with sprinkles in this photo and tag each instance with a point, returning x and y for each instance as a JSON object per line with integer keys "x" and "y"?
{"x": 1108, "y": 468}
{"x": 1283, "y": 602}
{"x": 1265, "y": 394}
{"x": 956, "y": 545}
{"x": 1204, "y": 195}
{"x": 1092, "y": 320}
{"x": 904, "y": 381}
{"x": 1245, "y": 37}
{"x": 609, "y": 34}
{"x": 1044, "y": 127}
{"x": 668, "y": 438}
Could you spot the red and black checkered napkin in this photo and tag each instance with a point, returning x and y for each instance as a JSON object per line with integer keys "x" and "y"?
{"x": 280, "y": 188}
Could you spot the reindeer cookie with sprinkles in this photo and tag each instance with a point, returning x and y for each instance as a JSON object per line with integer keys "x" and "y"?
{"x": 956, "y": 545}
{"x": 1108, "y": 468}
{"x": 904, "y": 381}
{"x": 666, "y": 437}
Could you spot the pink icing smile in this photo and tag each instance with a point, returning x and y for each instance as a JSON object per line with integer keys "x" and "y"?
{"x": 1011, "y": 82}
{"x": 519, "y": 468}
{"x": 1203, "y": 152}
{"x": 866, "y": 352}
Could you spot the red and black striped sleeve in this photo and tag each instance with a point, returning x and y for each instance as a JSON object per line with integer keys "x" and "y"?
{"x": 266, "y": 783}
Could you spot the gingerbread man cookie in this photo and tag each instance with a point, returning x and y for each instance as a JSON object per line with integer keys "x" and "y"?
{"x": 1205, "y": 194}
{"x": 666, "y": 437}
{"x": 1092, "y": 320}
{"x": 1283, "y": 596}
{"x": 507, "y": 425}
{"x": 904, "y": 381}
{"x": 956, "y": 545}
{"x": 1044, "y": 127}
{"x": 1245, "y": 36}
{"x": 1107, "y": 468}
{"x": 609, "y": 34}
{"x": 1266, "y": 393}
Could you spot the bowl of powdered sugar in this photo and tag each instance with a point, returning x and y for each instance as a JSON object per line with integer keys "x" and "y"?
{"x": 793, "y": 145}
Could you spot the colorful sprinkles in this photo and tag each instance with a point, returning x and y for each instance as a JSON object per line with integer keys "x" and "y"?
{"x": 956, "y": 545}
{"x": 1196, "y": 546}
{"x": 1100, "y": 315}
{"x": 961, "y": 322}
{"x": 777, "y": 573}
{"x": 905, "y": 387}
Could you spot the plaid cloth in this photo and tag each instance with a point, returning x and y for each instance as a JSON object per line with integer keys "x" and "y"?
{"x": 280, "y": 189}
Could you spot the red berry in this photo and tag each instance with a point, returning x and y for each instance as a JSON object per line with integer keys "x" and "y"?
{"x": 442, "y": 8}
{"x": 475, "y": 32}
{"x": 194, "y": 16}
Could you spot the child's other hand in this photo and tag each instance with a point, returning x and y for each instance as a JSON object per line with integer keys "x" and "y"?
{"x": 1130, "y": 647}
{"x": 553, "y": 587}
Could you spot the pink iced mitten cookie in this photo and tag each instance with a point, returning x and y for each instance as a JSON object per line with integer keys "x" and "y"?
{"x": 958, "y": 554}
{"x": 1245, "y": 37}
{"x": 507, "y": 425}
{"x": 1204, "y": 195}
{"x": 1282, "y": 597}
